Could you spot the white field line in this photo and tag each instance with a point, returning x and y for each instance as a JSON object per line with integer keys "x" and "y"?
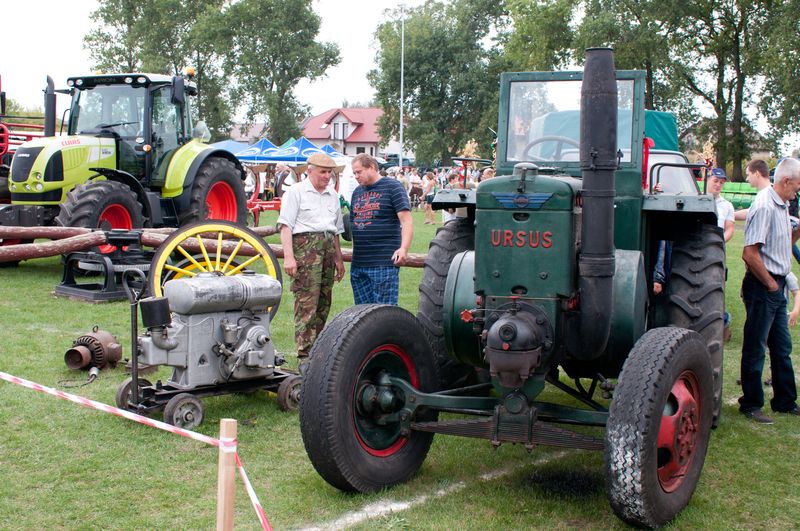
{"x": 386, "y": 507}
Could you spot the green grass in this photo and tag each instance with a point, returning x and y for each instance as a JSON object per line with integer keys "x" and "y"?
{"x": 67, "y": 467}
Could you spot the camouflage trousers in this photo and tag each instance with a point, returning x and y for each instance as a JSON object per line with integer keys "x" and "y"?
{"x": 312, "y": 286}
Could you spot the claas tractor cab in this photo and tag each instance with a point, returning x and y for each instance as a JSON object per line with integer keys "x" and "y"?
{"x": 536, "y": 311}
{"x": 132, "y": 157}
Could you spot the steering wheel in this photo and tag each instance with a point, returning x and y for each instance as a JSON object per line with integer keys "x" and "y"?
{"x": 127, "y": 131}
{"x": 560, "y": 141}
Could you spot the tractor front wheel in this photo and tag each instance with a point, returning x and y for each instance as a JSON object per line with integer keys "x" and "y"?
{"x": 101, "y": 204}
{"x": 659, "y": 426}
{"x": 217, "y": 193}
{"x": 351, "y": 416}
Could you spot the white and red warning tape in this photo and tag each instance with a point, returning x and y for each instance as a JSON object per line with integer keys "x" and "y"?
{"x": 227, "y": 445}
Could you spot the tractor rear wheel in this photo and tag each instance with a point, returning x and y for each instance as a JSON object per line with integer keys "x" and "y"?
{"x": 453, "y": 238}
{"x": 658, "y": 426}
{"x": 217, "y": 193}
{"x": 695, "y": 295}
{"x": 101, "y": 204}
{"x": 349, "y": 415}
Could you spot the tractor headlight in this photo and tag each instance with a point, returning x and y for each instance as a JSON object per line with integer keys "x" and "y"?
{"x": 141, "y": 79}
{"x": 39, "y": 187}
{"x": 79, "y": 82}
{"x": 28, "y": 187}
{"x": 128, "y": 80}
{"x": 37, "y": 175}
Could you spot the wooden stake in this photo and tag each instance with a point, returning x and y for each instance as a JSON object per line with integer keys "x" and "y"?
{"x": 226, "y": 475}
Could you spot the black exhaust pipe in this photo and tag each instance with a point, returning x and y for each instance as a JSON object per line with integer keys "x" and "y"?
{"x": 49, "y": 108}
{"x": 590, "y": 328}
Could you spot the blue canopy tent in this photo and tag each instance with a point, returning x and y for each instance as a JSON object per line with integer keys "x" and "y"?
{"x": 229, "y": 145}
{"x": 327, "y": 148}
{"x": 296, "y": 153}
{"x": 259, "y": 152}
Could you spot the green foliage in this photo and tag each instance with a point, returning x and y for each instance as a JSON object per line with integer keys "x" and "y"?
{"x": 542, "y": 36}
{"x": 115, "y": 44}
{"x": 450, "y": 87}
{"x": 273, "y": 47}
{"x": 781, "y": 65}
{"x": 148, "y": 36}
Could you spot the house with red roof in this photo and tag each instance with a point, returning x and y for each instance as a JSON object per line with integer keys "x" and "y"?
{"x": 349, "y": 130}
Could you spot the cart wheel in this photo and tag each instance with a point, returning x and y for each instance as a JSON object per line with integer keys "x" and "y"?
{"x": 199, "y": 247}
{"x": 125, "y": 390}
{"x": 184, "y": 411}
{"x": 289, "y": 393}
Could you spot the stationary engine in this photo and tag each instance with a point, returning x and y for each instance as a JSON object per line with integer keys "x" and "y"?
{"x": 218, "y": 330}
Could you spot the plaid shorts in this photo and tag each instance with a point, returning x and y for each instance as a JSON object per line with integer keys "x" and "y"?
{"x": 375, "y": 284}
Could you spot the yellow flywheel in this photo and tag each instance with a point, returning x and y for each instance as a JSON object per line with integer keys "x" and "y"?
{"x": 210, "y": 246}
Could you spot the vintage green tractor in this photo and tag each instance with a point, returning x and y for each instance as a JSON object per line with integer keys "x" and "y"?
{"x": 132, "y": 158}
{"x": 546, "y": 288}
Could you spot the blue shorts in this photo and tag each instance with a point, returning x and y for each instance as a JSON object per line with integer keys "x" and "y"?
{"x": 375, "y": 285}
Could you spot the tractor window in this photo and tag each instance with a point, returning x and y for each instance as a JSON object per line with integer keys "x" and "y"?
{"x": 114, "y": 108}
{"x": 544, "y": 120}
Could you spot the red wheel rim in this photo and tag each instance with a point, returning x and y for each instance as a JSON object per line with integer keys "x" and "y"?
{"x": 114, "y": 217}
{"x": 678, "y": 432}
{"x": 221, "y": 202}
{"x": 374, "y": 358}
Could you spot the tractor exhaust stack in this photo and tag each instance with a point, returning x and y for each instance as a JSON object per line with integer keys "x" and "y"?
{"x": 590, "y": 328}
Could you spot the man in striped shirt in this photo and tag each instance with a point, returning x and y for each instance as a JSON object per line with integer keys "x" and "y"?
{"x": 768, "y": 238}
{"x": 382, "y": 233}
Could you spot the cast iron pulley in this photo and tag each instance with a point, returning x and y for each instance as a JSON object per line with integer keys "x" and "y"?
{"x": 97, "y": 349}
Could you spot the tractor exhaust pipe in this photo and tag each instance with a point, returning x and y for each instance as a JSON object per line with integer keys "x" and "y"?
{"x": 49, "y": 108}
{"x": 590, "y": 327}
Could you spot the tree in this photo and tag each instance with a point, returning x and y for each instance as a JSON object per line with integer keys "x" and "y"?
{"x": 542, "y": 36}
{"x": 781, "y": 65}
{"x": 115, "y": 45}
{"x": 449, "y": 84}
{"x": 147, "y": 36}
{"x": 722, "y": 38}
{"x": 273, "y": 47}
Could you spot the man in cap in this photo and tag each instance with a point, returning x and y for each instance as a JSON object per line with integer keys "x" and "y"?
{"x": 310, "y": 222}
{"x": 382, "y": 233}
{"x": 725, "y": 221}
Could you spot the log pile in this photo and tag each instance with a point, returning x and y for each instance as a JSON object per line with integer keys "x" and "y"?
{"x": 65, "y": 240}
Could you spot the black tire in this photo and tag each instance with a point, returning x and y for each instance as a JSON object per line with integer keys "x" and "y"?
{"x": 88, "y": 205}
{"x": 125, "y": 390}
{"x": 347, "y": 447}
{"x": 217, "y": 193}
{"x": 665, "y": 391}
{"x": 695, "y": 295}
{"x": 184, "y": 411}
{"x": 289, "y": 392}
{"x": 454, "y": 237}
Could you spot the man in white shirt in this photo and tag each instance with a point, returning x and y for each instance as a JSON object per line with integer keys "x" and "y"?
{"x": 310, "y": 223}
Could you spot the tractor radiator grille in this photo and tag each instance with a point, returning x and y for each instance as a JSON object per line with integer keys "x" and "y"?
{"x": 542, "y": 433}
{"x": 22, "y": 162}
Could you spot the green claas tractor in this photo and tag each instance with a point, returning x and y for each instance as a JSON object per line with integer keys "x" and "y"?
{"x": 132, "y": 158}
{"x": 544, "y": 292}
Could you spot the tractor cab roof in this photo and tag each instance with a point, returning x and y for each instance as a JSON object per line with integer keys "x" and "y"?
{"x": 133, "y": 79}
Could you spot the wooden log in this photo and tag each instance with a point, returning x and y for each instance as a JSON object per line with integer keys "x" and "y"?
{"x": 74, "y": 239}
{"x": 27, "y": 251}
{"x": 32, "y": 233}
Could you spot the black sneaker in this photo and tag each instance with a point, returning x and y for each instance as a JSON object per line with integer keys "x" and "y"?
{"x": 795, "y": 411}
{"x": 758, "y": 416}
